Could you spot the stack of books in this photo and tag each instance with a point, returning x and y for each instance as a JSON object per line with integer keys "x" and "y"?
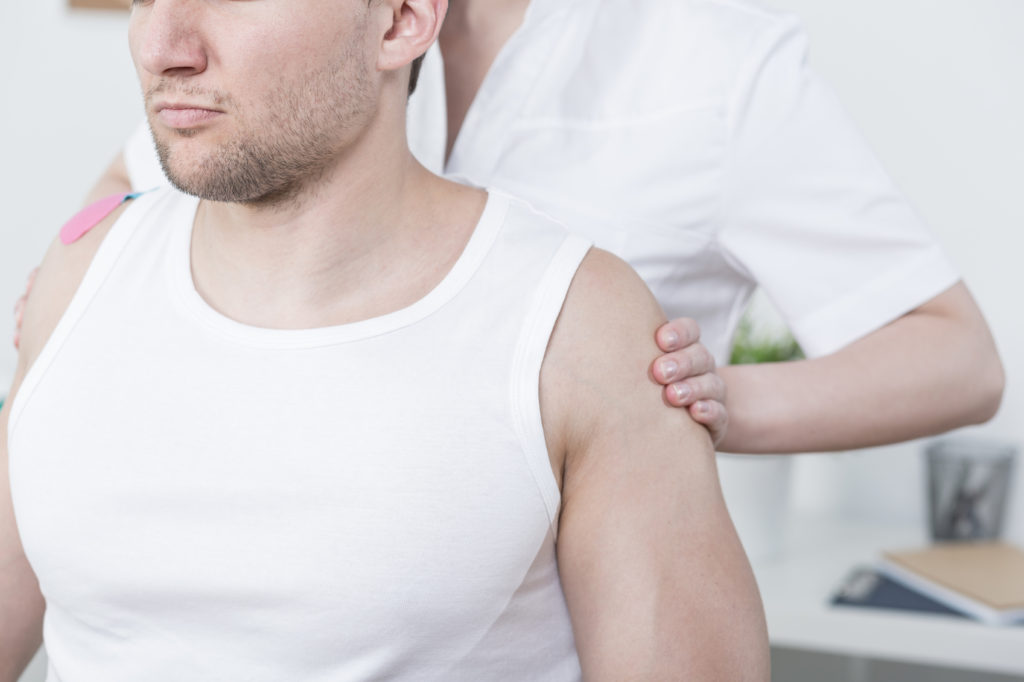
{"x": 979, "y": 580}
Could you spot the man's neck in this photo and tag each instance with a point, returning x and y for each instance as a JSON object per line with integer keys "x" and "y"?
{"x": 354, "y": 202}
{"x": 369, "y": 236}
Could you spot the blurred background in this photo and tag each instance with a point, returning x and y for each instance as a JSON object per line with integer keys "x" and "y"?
{"x": 937, "y": 87}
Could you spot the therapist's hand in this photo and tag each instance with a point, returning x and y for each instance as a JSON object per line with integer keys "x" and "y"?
{"x": 19, "y": 307}
{"x": 687, "y": 371}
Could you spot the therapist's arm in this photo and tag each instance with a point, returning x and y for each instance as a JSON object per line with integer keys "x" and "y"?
{"x": 934, "y": 369}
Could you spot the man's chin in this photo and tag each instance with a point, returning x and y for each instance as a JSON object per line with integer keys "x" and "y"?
{"x": 226, "y": 173}
{"x": 223, "y": 186}
{"x": 191, "y": 174}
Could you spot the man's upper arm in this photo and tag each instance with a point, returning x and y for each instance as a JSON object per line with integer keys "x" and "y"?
{"x": 21, "y": 604}
{"x": 56, "y": 282}
{"x": 656, "y": 580}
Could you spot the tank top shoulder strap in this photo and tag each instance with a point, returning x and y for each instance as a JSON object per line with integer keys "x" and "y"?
{"x": 542, "y": 313}
{"x": 103, "y": 263}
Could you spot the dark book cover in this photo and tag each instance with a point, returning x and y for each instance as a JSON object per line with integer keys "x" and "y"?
{"x": 866, "y": 587}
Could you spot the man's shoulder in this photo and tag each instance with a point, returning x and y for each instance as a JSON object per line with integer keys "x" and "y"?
{"x": 64, "y": 266}
{"x": 607, "y": 284}
{"x": 596, "y": 381}
{"x": 608, "y": 321}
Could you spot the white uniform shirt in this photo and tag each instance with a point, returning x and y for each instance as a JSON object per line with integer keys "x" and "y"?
{"x": 690, "y": 138}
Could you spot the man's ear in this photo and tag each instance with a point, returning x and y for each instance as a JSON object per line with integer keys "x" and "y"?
{"x": 414, "y": 28}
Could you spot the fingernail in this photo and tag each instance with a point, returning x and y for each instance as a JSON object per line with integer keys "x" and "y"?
{"x": 702, "y": 407}
{"x": 682, "y": 391}
{"x": 671, "y": 339}
{"x": 669, "y": 368}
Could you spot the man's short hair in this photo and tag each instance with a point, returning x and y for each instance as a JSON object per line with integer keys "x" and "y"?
{"x": 414, "y": 75}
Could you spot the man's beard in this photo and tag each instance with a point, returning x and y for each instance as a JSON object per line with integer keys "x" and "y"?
{"x": 280, "y": 156}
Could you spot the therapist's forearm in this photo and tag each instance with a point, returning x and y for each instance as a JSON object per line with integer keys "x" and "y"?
{"x": 930, "y": 371}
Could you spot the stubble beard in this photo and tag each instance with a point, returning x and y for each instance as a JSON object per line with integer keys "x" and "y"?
{"x": 283, "y": 154}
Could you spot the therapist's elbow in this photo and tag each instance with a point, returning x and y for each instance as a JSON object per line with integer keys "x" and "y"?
{"x": 981, "y": 380}
{"x": 971, "y": 358}
{"x": 989, "y": 385}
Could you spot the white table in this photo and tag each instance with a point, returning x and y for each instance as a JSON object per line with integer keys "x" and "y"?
{"x": 797, "y": 588}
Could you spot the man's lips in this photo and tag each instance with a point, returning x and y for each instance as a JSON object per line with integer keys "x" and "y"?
{"x": 185, "y": 115}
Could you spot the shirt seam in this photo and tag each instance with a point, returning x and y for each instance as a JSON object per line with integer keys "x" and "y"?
{"x": 78, "y": 307}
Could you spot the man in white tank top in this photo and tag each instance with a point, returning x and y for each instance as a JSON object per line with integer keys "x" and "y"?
{"x": 405, "y": 531}
{"x": 691, "y": 139}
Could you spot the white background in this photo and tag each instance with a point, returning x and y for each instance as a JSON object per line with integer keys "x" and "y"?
{"x": 937, "y": 86}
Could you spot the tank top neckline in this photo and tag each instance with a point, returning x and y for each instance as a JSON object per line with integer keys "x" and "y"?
{"x": 179, "y": 271}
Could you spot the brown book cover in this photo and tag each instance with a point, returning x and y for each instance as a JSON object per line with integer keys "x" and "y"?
{"x": 982, "y": 579}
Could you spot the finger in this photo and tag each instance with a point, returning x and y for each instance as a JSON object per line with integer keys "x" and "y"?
{"x": 19, "y": 311}
{"x": 709, "y": 387}
{"x": 681, "y": 364}
{"x": 713, "y": 416}
{"x": 677, "y": 334}
{"x": 19, "y": 308}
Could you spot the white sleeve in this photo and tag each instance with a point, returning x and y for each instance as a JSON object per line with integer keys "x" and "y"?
{"x": 808, "y": 212}
{"x": 142, "y": 162}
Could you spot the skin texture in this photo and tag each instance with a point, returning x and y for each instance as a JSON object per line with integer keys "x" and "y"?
{"x": 20, "y": 601}
{"x": 654, "y": 575}
{"x": 312, "y": 118}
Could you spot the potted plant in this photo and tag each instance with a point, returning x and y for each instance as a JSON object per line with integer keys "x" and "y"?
{"x": 757, "y": 487}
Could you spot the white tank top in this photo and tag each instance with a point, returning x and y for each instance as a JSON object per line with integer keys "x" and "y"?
{"x": 204, "y": 500}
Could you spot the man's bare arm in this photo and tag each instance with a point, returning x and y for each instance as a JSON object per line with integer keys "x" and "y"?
{"x": 656, "y": 580}
{"x": 21, "y": 604}
{"x": 932, "y": 370}
{"x": 113, "y": 181}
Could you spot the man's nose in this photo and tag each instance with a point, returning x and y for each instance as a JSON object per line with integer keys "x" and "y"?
{"x": 169, "y": 39}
